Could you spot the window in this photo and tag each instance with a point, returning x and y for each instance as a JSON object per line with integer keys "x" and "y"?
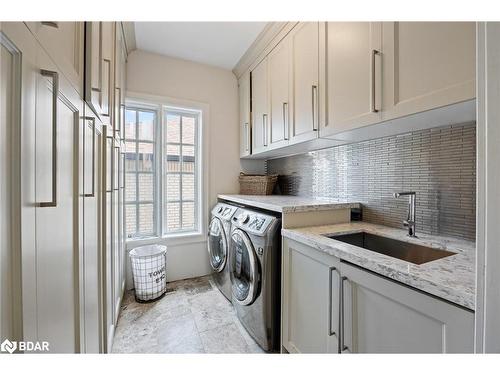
{"x": 171, "y": 137}
{"x": 140, "y": 176}
{"x": 180, "y": 171}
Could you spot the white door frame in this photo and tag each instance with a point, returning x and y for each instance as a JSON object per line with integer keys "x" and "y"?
{"x": 487, "y": 325}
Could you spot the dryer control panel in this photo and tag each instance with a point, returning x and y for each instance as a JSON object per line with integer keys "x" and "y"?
{"x": 224, "y": 211}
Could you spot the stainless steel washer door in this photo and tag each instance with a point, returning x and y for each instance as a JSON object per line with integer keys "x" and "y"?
{"x": 244, "y": 269}
{"x": 217, "y": 245}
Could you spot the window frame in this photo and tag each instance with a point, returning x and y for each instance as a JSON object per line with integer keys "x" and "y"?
{"x": 160, "y": 105}
{"x": 197, "y": 114}
{"x": 138, "y": 235}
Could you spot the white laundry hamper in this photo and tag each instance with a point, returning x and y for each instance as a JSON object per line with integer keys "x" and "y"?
{"x": 149, "y": 269}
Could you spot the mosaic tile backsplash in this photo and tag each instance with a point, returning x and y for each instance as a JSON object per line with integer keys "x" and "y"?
{"x": 439, "y": 164}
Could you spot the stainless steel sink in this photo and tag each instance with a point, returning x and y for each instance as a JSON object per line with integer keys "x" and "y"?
{"x": 408, "y": 252}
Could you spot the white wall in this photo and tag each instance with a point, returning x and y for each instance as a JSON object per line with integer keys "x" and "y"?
{"x": 153, "y": 74}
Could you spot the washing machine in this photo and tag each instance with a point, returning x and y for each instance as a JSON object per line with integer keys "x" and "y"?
{"x": 218, "y": 245}
{"x": 255, "y": 272}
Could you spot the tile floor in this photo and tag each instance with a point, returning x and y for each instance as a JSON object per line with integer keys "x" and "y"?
{"x": 193, "y": 317}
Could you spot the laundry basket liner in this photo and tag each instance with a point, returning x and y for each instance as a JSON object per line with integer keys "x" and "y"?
{"x": 149, "y": 265}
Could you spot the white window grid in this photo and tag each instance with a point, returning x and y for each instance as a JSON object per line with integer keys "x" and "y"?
{"x": 137, "y": 202}
{"x": 195, "y": 115}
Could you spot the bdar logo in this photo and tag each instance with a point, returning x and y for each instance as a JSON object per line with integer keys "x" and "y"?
{"x": 8, "y": 346}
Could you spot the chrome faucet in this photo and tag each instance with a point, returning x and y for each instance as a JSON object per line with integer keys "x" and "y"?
{"x": 410, "y": 221}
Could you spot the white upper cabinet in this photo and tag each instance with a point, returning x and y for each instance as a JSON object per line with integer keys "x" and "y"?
{"x": 353, "y": 71}
{"x": 427, "y": 65}
{"x": 260, "y": 107}
{"x": 352, "y": 81}
{"x": 64, "y": 43}
{"x": 93, "y": 85}
{"x": 244, "y": 96}
{"x": 99, "y": 68}
{"x": 107, "y": 70}
{"x": 304, "y": 41}
{"x": 279, "y": 93}
{"x": 119, "y": 81}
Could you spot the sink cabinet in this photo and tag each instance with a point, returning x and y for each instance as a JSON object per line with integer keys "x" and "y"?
{"x": 329, "y": 306}
{"x": 382, "y": 316}
{"x": 310, "y": 298}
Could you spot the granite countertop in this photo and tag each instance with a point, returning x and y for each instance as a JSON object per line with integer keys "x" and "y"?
{"x": 288, "y": 203}
{"x": 451, "y": 278}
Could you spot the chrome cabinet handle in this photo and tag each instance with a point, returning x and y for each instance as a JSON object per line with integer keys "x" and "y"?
{"x": 109, "y": 86}
{"x": 108, "y": 155}
{"x": 286, "y": 129}
{"x": 55, "y": 93}
{"x": 342, "y": 320}
{"x": 264, "y": 132}
{"x": 374, "y": 104}
{"x": 116, "y": 171}
{"x": 118, "y": 115}
{"x": 53, "y": 24}
{"x": 91, "y": 195}
{"x": 247, "y": 136}
{"x": 314, "y": 106}
{"x": 331, "y": 332}
{"x": 123, "y": 179}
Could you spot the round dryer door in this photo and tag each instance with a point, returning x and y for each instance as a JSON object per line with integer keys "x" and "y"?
{"x": 244, "y": 268}
{"x": 217, "y": 245}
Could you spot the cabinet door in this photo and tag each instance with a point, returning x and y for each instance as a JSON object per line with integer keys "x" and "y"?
{"x": 18, "y": 73}
{"x": 92, "y": 254}
{"x": 304, "y": 41}
{"x": 279, "y": 78}
{"x": 244, "y": 96}
{"x": 310, "y": 300}
{"x": 383, "y": 316}
{"x": 116, "y": 259}
{"x": 121, "y": 221}
{"x": 64, "y": 43}
{"x": 353, "y": 71}
{"x": 93, "y": 58}
{"x": 260, "y": 108}
{"x": 427, "y": 65}
{"x": 107, "y": 237}
{"x": 119, "y": 80}
{"x": 58, "y": 264}
{"x": 107, "y": 71}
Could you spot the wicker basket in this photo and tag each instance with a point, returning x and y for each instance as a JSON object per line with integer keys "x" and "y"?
{"x": 257, "y": 184}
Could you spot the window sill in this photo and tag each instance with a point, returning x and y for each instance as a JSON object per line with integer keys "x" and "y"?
{"x": 168, "y": 240}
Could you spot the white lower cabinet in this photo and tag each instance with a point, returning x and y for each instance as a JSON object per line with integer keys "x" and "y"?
{"x": 328, "y": 303}
{"x": 383, "y": 316}
{"x": 310, "y": 298}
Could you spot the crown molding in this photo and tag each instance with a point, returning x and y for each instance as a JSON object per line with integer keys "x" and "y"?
{"x": 266, "y": 38}
{"x": 129, "y": 33}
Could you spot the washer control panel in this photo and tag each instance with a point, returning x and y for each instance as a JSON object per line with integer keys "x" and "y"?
{"x": 251, "y": 221}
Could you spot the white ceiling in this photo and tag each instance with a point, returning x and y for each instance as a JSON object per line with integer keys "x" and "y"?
{"x": 214, "y": 43}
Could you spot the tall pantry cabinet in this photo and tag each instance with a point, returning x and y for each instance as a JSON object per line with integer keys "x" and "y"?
{"x": 55, "y": 124}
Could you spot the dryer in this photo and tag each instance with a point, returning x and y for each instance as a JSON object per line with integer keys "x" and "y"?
{"x": 218, "y": 245}
{"x": 255, "y": 271}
